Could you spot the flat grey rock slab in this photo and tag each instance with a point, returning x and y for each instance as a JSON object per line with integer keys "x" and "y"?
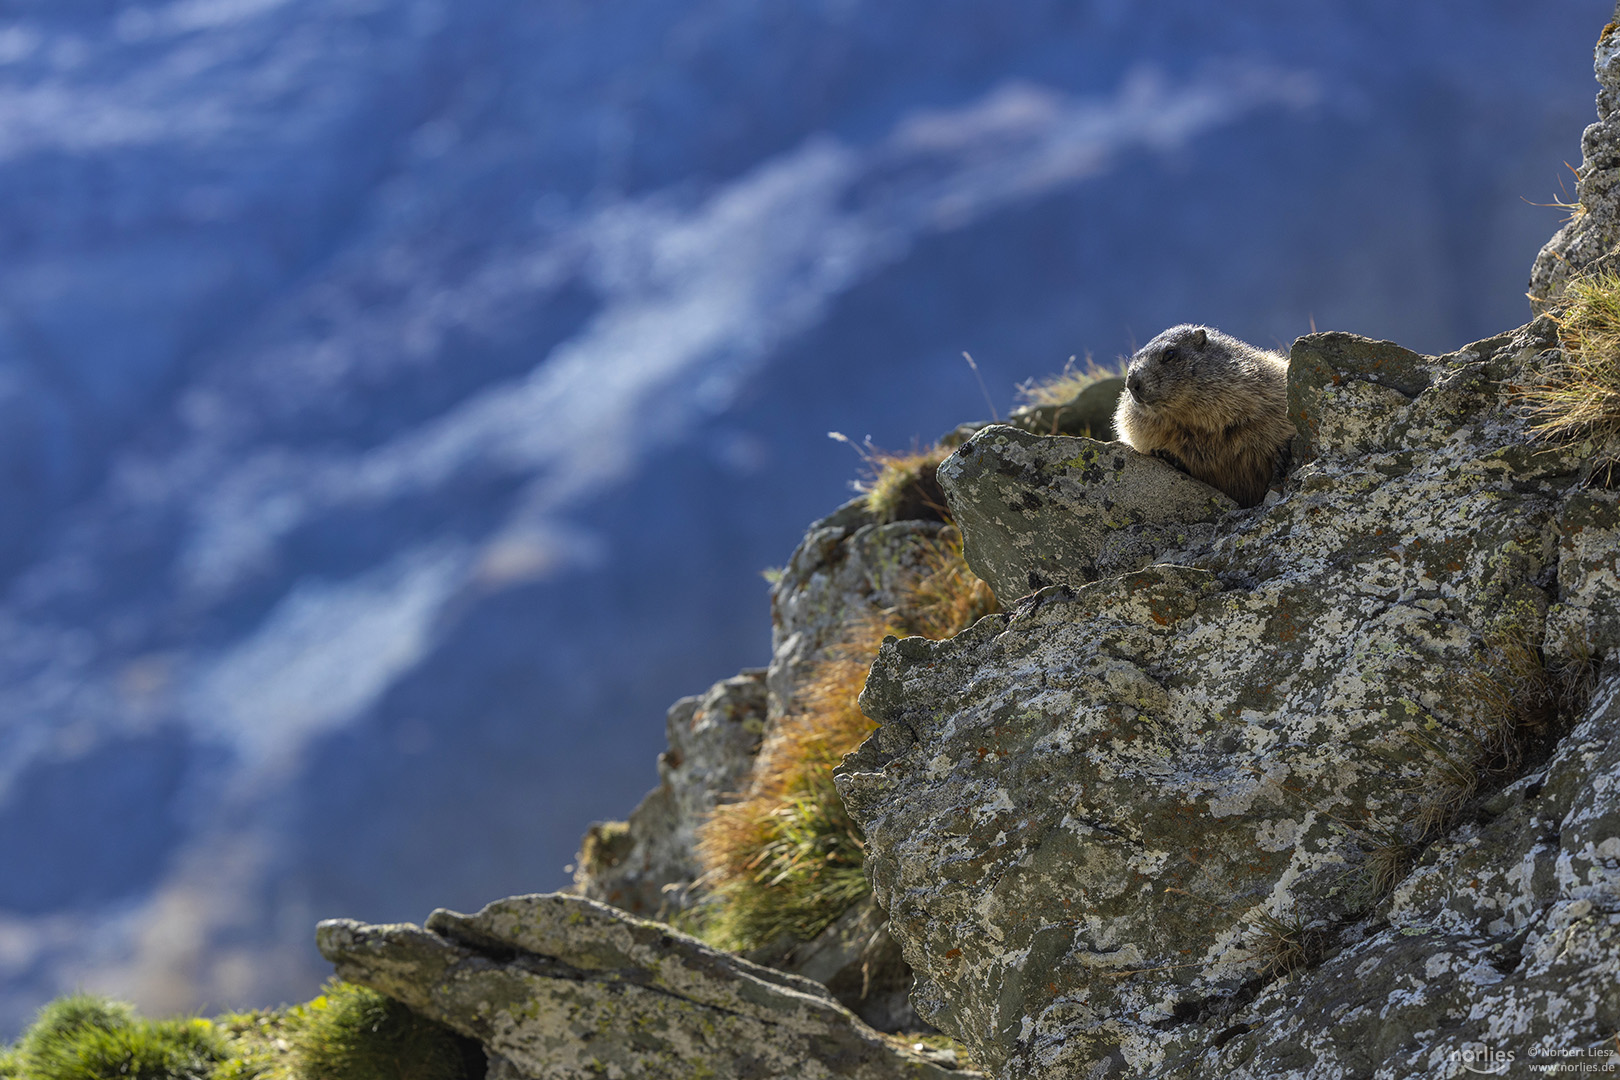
{"x": 565, "y": 988}
{"x": 1039, "y": 510}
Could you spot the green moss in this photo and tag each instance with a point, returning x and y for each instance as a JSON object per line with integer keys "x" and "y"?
{"x": 258, "y": 1044}
{"x": 89, "y": 1038}
{"x": 352, "y": 1033}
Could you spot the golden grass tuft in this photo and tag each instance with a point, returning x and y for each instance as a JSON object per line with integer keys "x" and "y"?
{"x": 900, "y": 486}
{"x": 1580, "y": 396}
{"x": 787, "y": 859}
{"x": 1065, "y": 386}
{"x": 947, "y": 597}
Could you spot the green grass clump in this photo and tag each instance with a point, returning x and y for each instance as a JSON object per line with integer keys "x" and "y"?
{"x": 349, "y": 1033}
{"x": 353, "y": 1033}
{"x": 1580, "y": 396}
{"x": 786, "y": 858}
{"x": 89, "y": 1038}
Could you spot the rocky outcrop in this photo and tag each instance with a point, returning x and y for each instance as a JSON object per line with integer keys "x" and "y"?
{"x": 647, "y": 864}
{"x": 1146, "y": 826}
{"x": 1591, "y": 237}
{"x": 1089, "y": 413}
{"x": 563, "y": 988}
{"x": 1047, "y": 510}
{"x": 848, "y": 568}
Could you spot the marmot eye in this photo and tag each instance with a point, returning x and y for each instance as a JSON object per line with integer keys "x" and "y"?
{"x": 1169, "y": 356}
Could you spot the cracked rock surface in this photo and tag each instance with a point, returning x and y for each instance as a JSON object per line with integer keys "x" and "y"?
{"x": 1040, "y": 510}
{"x": 558, "y": 987}
{"x": 1143, "y": 826}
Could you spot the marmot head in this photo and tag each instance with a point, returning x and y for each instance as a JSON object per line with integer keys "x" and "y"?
{"x": 1176, "y": 364}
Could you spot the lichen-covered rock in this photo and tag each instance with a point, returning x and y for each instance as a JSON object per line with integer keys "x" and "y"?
{"x": 1109, "y": 828}
{"x": 558, "y": 987}
{"x": 646, "y": 865}
{"x": 1038, "y": 510}
{"x": 1592, "y": 234}
{"x": 859, "y": 964}
{"x": 1501, "y": 949}
{"x": 848, "y": 567}
{"x": 1364, "y": 379}
{"x": 1588, "y": 573}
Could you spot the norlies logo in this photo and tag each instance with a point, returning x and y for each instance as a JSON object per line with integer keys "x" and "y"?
{"x": 1477, "y": 1058}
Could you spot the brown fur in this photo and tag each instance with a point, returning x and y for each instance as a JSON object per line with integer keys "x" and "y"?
{"x": 1210, "y": 404}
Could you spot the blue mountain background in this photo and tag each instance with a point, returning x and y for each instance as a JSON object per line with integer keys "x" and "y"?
{"x": 399, "y": 399}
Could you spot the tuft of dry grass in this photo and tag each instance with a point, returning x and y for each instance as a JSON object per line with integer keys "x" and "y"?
{"x": 787, "y": 859}
{"x": 1065, "y": 386}
{"x": 900, "y": 486}
{"x": 1282, "y": 946}
{"x": 1388, "y": 855}
{"x": 1388, "y": 860}
{"x": 605, "y": 845}
{"x": 947, "y": 597}
{"x": 1580, "y": 395}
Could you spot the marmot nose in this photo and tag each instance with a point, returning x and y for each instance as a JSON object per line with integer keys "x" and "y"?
{"x": 1133, "y": 383}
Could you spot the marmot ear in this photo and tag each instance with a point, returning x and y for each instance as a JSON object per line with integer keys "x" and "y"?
{"x": 1199, "y": 337}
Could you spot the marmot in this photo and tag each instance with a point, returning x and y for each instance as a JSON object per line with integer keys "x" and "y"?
{"x": 1214, "y": 406}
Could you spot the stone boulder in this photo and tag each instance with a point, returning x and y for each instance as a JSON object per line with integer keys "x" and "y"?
{"x": 1090, "y": 413}
{"x": 1038, "y": 510}
{"x": 1145, "y": 826}
{"x": 647, "y": 865}
{"x": 558, "y": 987}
